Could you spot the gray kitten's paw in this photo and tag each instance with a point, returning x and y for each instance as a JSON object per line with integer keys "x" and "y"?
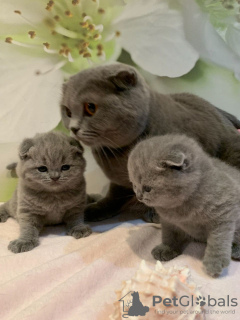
{"x": 80, "y": 231}
{"x": 214, "y": 266}
{"x": 20, "y": 245}
{"x": 151, "y": 216}
{"x": 3, "y": 214}
{"x": 163, "y": 252}
{"x": 235, "y": 251}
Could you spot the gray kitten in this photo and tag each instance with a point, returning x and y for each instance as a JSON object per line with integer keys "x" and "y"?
{"x": 51, "y": 189}
{"x": 196, "y": 196}
{"x": 111, "y": 108}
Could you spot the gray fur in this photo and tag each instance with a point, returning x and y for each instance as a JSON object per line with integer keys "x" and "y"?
{"x": 129, "y": 111}
{"x": 52, "y": 197}
{"x": 196, "y": 196}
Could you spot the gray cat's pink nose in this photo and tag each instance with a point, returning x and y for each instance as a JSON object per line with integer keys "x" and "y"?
{"x": 74, "y": 130}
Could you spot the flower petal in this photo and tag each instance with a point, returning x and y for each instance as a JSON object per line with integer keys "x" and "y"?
{"x": 29, "y": 102}
{"x": 204, "y": 38}
{"x": 153, "y": 34}
{"x": 233, "y": 38}
{"x": 9, "y": 19}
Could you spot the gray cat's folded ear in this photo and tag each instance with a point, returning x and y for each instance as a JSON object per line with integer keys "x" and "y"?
{"x": 24, "y": 148}
{"x": 175, "y": 160}
{"x": 124, "y": 80}
{"x": 77, "y": 147}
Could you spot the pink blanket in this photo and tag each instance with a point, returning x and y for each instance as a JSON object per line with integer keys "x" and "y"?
{"x": 72, "y": 279}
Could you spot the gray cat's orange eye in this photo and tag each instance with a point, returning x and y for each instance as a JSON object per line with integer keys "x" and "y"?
{"x": 90, "y": 108}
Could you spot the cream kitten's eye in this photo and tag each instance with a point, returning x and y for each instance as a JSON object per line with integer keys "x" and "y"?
{"x": 90, "y": 108}
{"x": 146, "y": 189}
{"x": 42, "y": 169}
{"x": 68, "y": 112}
{"x": 65, "y": 167}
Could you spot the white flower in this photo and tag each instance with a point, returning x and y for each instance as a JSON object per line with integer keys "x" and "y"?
{"x": 213, "y": 29}
{"x": 41, "y": 41}
{"x": 153, "y": 34}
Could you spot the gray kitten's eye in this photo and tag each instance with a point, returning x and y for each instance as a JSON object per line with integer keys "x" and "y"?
{"x": 42, "y": 169}
{"x": 65, "y": 167}
{"x": 68, "y": 112}
{"x": 146, "y": 189}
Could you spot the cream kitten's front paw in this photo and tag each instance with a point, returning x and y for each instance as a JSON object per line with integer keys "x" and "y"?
{"x": 80, "y": 231}
{"x": 20, "y": 245}
{"x": 163, "y": 252}
{"x": 214, "y": 266}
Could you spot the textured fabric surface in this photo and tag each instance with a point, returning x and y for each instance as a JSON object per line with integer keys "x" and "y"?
{"x": 65, "y": 278}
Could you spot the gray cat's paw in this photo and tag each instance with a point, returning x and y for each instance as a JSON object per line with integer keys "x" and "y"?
{"x": 151, "y": 216}
{"x": 163, "y": 252}
{"x": 20, "y": 245}
{"x": 236, "y": 251}
{"x": 3, "y": 214}
{"x": 80, "y": 231}
{"x": 214, "y": 266}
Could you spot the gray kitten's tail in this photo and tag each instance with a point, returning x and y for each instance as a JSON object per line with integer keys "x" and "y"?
{"x": 91, "y": 198}
{"x": 12, "y": 167}
{"x": 234, "y": 120}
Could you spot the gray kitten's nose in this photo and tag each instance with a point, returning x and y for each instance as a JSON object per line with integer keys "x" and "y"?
{"x": 139, "y": 196}
{"x": 55, "y": 178}
{"x": 74, "y": 130}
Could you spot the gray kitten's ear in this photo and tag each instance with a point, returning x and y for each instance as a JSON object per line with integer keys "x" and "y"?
{"x": 176, "y": 161}
{"x": 124, "y": 80}
{"x": 24, "y": 148}
{"x": 77, "y": 146}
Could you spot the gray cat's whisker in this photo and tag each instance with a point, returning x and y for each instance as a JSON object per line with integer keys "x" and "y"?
{"x": 107, "y": 158}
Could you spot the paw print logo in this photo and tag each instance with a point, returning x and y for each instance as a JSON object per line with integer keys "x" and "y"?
{"x": 201, "y": 301}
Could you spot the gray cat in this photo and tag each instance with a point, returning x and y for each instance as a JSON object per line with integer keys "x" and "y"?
{"x": 51, "y": 189}
{"x": 196, "y": 196}
{"x": 111, "y": 108}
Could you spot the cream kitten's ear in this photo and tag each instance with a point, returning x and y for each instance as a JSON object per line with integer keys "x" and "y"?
{"x": 176, "y": 160}
{"x": 124, "y": 80}
{"x": 24, "y": 148}
{"x": 76, "y": 146}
